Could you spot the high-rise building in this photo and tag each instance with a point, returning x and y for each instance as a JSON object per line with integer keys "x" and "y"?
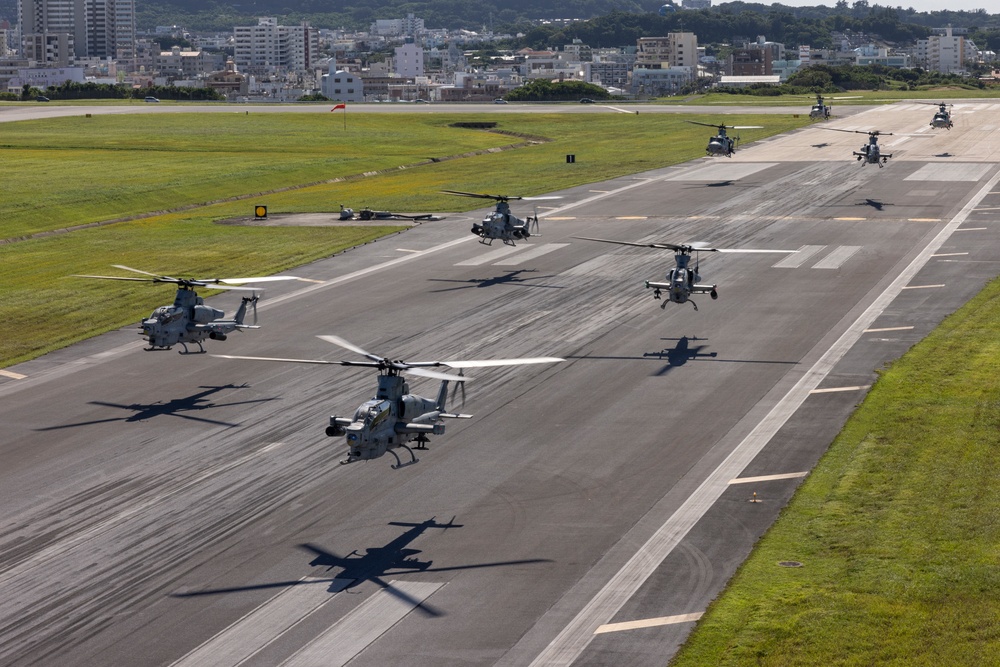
{"x": 58, "y": 31}
{"x": 267, "y": 47}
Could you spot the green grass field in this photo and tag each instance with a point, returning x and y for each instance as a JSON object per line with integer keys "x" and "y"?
{"x": 60, "y": 172}
{"x": 866, "y": 97}
{"x": 897, "y": 528}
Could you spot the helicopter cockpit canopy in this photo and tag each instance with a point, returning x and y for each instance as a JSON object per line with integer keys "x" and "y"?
{"x": 167, "y": 314}
{"x": 372, "y": 412}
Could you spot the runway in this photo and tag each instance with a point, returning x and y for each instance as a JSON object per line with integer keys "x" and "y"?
{"x": 162, "y": 509}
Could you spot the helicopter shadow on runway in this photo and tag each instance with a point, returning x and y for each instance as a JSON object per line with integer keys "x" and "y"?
{"x": 173, "y": 408}
{"x": 374, "y": 565}
{"x": 508, "y": 278}
{"x": 683, "y": 352}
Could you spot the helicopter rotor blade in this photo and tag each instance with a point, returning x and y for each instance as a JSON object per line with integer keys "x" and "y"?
{"x": 423, "y": 372}
{"x": 240, "y": 281}
{"x": 745, "y": 127}
{"x": 146, "y": 273}
{"x": 347, "y": 345}
{"x": 662, "y": 246}
{"x": 745, "y": 250}
{"x": 479, "y": 195}
{"x": 540, "y": 198}
{"x": 484, "y": 363}
{"x": 326, "y": 362}
{"x": 141, "y": 280}
{"x": 696, "y": 122}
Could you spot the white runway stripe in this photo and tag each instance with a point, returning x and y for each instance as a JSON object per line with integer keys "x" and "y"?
{"x": 532, "y": 253}
{"x": 836, "y": 258}
{"x": 263, "y": 625}
{"x": 648, "y": 623}
{"x": 797, "y": 259}
{"x": 768, "y": 478}
{"x": 370, "y": 620}
{"x": 492, "y": 255}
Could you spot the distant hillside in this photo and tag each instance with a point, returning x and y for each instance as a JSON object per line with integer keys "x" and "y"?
{"x": 359, "y": 14}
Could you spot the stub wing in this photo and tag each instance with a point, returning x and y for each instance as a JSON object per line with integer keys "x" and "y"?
{"x": 655, "y": 285}
{"x": 704, "y": 289}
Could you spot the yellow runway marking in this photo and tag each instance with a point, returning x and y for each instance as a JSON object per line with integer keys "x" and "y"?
{"x": 832, "y": 390}
{"x": 648, "y": 623}
{"x": 888, "y": 329}
{"x": 12, "y": 375}
{"x": 922, "y": 286}
{"x": 768, "y": 478}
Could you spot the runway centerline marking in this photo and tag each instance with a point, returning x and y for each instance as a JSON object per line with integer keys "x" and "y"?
{"x": 648, "y": 623}
{"x": 949, "y": 254}
{"x": 923, "y": 286}
{"x": 576, "y": 636}
{"x": 972, "y": 229}
{"x": 797, "y": 259}
{"x": 833, "y": 390}
{"x": 768, "y": 478}
{"x": 837, "y": 257}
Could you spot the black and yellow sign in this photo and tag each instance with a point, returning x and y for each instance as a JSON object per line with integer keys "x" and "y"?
{"x": 260, "y": 212}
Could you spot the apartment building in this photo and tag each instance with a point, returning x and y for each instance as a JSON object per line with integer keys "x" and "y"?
{"x": 269, "y": 48}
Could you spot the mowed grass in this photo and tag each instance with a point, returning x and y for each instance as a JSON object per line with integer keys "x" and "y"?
{"x": 864, "y": 97}
{"x": 42, "y": 309}
{"x": 897, "y": 528}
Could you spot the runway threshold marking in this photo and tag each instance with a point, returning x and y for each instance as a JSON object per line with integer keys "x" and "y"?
{"x": 12, "y": 375}
{"x": 537, "y": 251}
{"x": 837, "y": 258}
{"x": 370, "y": 620}
{"x": 576, "y": 635}
{"x": 888, "y": 329}
{"x": 492, "y": 255}
{"x": 833, "y": 390}
{"x": 768, "y": 478}
{"x": 262, "y": 626}
{"x": 648, "y": 623}
{"x": 797, "y": 259}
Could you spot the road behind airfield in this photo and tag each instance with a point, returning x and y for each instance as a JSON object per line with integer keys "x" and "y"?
{"x": 156, "y": 506}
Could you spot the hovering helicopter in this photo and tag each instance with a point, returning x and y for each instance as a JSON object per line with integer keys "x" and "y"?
{"x": 869, "y": 153}
{"x": 501, "y": 223}
{"x": 722, "y": 144}
{"x": 189, "y": 320}
{"x": 943, "y": 116}
{"x": 823, "y": 110}
{"x": 394, "y": 416}
{"x": 682, "y": 280}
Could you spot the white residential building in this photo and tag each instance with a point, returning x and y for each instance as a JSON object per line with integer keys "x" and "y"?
{"x": 342, "y": 86}
{"x": 269, "y": 48}
{"x": 942, "y": 53}
{"x": 410, "y": 26}
{"x": 58, "y": 31}
{"x": 409, "y": 61}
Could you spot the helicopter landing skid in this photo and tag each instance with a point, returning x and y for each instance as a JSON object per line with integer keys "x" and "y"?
{"x": 201, "y": 349}
{"x": 400, "y": 464}
{"x": 485, "y": 240}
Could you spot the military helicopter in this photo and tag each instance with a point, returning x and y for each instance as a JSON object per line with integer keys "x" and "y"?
{"x": 394, "y": 416}
{"x": 822, "y": 110}
{"x": 722, "y": 144}
{"x": 501, "y": 223}
{"x": 943, "y": 116}
{"x": 682, "y": 280}
{"x": 189, "y": 320}
{"x": 869, "y": 153}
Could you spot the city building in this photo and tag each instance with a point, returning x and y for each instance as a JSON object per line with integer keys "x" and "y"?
{"x": 408, "y": 61}
{"x": 942, "y": 53}
{"x": 268, "y": 48}
{"x": 410, "y": 26}
{"x": 60, "y": 31}
{"x": 342, "y": 86}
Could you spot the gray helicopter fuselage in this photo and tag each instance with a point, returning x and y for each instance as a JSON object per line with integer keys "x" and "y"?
{"x": 501, "y": 224}
{"x": 942, "y": 119}
{"x": 188, "y": 320}
{"x": 390, "y": 420}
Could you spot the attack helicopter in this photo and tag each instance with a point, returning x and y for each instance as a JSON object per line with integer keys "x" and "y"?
{"x": 682, "y": 281}
{"x": 394, "y": 416}
{"x": 869, "y": 153}
{"x": 723, "y": 144}
{"x": 943, "y": 116}
{"x": 822, "y": 110}
{"x": 189, "y": 320}
{"x": 501, "y": 223}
